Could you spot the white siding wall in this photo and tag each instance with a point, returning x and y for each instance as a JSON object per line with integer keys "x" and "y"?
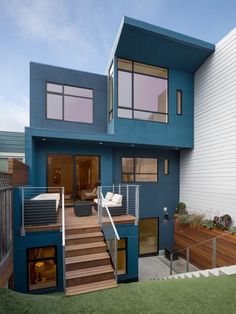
{"x": 208, "y": 173}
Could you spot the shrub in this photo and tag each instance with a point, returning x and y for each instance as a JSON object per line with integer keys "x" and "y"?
{"x": 181, "y": 209}
{"x": 233, "y": 229}
{"x": 183, "y": 219}
{"x": 222, "y": 222}
{"x": 207, "y": 223}
{"x": 195, "y": 220}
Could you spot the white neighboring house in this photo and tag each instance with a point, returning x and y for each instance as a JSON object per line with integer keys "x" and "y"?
{"x": 208, "y": 172}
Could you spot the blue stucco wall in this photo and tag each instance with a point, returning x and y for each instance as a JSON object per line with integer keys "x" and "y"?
{"x": 41, "y": 73}
{"x": 155, "y": 196}
{"x": 130, "y": 232}
{"x": 32, "y": 240}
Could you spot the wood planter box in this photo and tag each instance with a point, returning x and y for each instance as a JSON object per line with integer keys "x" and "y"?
{"x": 201, "y": 255}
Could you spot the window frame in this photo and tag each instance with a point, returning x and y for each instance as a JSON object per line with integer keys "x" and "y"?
{"x": 132, "y": 108}
{"x": 126, "y": 256}
{"x": 63, "y": 95}
{"x": 134, "y": 170}
{"x": 179, "y": 106}
{"x": 28, "y": 260}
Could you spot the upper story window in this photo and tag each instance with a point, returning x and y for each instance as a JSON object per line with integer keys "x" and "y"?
{"x": 142, "y": 91}
{"x": 69, "y": 103}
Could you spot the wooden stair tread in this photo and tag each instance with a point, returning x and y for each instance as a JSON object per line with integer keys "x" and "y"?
{"x": 100, "y": 285}
{"x": 81, "y": 246}
{"x": 86, "y": 258}
{"x": 89, "y": 271}
{"x": 83, "y": 235}
{"x": 86, "y": 226}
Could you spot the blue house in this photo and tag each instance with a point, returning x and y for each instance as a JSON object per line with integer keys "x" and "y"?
{"x": 118, "y": 133}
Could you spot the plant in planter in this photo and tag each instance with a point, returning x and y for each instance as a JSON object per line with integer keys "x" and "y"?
{"x": 181, "y": 209}
{"x": 207, "y": 223}
{"x": 222, "y": 222}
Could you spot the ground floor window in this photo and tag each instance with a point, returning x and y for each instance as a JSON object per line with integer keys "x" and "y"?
{"x": 148, "y": 236}
{"x": 122, "y": 257}
{"x": 42, "y": 268}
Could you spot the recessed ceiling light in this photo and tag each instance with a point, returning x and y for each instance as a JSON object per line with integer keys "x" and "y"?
{"x": 100, "y": 143}
{"x": 132, "y": 145}
{"x": 43, "y": 139}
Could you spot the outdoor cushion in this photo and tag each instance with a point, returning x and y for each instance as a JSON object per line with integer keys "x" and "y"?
{"x": 117, "y": 199}
{"x": 109, "y": 196}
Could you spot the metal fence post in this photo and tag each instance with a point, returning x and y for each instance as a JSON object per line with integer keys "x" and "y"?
{"x": 127, "y": 199}
{"x": 214, "y": 253}
{"x": 137, "y": 204}
{"x": 116, "y": 266}
{"x": 187, "y": 259}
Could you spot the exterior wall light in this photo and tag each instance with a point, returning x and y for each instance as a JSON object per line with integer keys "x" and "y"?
{"x": 166, "y": 215}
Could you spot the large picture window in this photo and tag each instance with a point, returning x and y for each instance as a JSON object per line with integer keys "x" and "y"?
{"x": 139, "y": 169}
{"x": 69, "y": 103}
{"x": 142, "y": 91}
{"x": 42, "y": 268}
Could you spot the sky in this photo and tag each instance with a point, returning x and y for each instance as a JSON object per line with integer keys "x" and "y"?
{"x": 79, "y": 34}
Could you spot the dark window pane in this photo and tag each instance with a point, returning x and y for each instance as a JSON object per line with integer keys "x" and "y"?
{"x": 54, "y": 106}
{"x": 56, "y": 88}
{"x": 43, "y": 252}
{"x": 159, "y": 117}
{"x": 146, "y": 178}
{"x": 111, "y": 75}
{"x": 124, "y": 64}
{"x": 78, "y": 109}
{"x": 124, "y": 113}
{"x": 126, "y": 177}
{"x": 121, "y": 261}
{"x": 150, "y": 70}
{"x": 128, "y": 165}
{"x": 150, "y": 93}
{"x": 146, "y": 165}
{"x": 77, "y": 91}
{"x": 179, "y": 101}
{"x": 166, "y": 166}
{"x": 124, "y": 89}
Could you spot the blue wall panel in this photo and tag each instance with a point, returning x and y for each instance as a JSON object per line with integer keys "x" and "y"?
{"x": 41, "y": 73}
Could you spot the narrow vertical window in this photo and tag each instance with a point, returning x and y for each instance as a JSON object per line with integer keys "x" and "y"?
{"x": 179, "y": 96}
{"x": 166, "y": 166}
{"x": 122, "y": 257}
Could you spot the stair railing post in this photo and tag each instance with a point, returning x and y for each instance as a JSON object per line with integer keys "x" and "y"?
{"x": 214, "y": 253}
{"x": 187, "y": 259}
{"x": 171, "y": 263}
{"x": 116, "y": 262}
{"x": 127, "y": 199}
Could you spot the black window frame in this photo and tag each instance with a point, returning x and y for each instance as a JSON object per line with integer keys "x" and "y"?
{"x": 134, "y": 172}
{"x": 179, "y": 106}
{"x": 63, "y": 95}
{"x": 111, "y": 93}
{"x": 28, "y": 260}
{"x": 132, "y": 108}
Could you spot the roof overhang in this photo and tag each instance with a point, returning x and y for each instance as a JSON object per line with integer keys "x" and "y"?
{"x": 143, "y": 42}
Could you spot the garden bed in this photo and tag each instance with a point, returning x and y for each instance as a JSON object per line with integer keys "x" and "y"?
{"x": 201, "y": 255}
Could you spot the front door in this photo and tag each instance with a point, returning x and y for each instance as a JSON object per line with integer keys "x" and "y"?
{"x": 148, "y": 236}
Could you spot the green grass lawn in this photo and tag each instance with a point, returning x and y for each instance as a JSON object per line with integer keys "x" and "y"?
{"x": 212, "y": 295}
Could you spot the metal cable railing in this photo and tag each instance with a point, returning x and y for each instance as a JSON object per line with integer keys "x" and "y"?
{"x": 109, "y": 230}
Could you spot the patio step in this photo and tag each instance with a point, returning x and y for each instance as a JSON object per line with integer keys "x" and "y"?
{"x": 225, "y": 270}
{"x": 85, "y": 249}
{"x": 85, "y": 261}
{"x": 89, "y": 275}
{"x": 87, "y": 237}
{"x": 94, "y": 286}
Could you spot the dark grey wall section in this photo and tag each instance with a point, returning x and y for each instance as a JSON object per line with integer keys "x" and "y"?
{"x": 41, "y": 73}
{"x": 12, "y": 142}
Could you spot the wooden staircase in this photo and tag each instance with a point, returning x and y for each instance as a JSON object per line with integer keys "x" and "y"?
{"x": 87, "y": 263}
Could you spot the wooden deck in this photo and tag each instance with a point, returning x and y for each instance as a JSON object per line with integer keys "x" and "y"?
{"x": 73, "y": 221}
